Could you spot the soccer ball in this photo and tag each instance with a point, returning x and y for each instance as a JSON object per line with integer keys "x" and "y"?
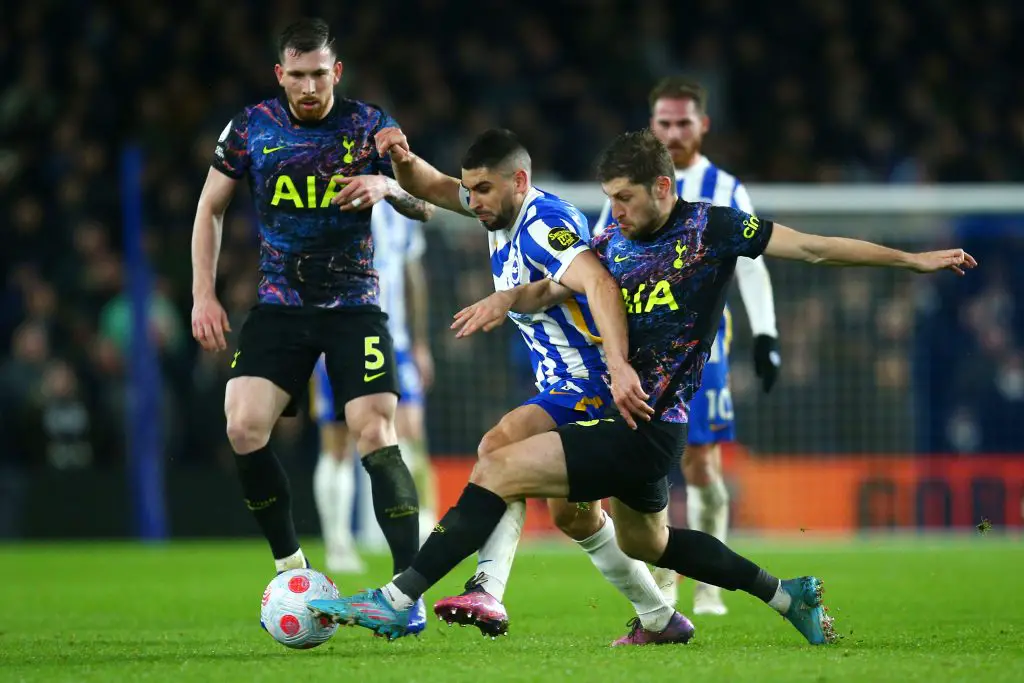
{"x": 284, "y": 614}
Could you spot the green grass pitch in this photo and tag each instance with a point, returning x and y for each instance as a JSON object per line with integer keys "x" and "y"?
{"x": 908, "y": 608}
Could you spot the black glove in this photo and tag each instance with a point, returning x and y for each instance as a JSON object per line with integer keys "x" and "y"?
{"x": 767, "y": 360}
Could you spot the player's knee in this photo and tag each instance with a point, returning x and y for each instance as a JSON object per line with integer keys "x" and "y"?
{"x": 577, "y": 522}
{"x": 375, "y": 434}
{"x": 491, "y": 443}
{"x": 698, "y": 465}
{"x": 492, "y": 472}
{"x": 247, "y": 432}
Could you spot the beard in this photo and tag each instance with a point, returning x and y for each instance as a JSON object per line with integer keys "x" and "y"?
{"x": 314, "y": 111}
{"x": 646, "y": 223}
{"x": 501, "y": 220}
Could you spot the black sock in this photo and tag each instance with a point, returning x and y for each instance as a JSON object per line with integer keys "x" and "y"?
{"x": 459, "y": 534}
{"x": 704, "y": 558}
{"x": 267, "y": 494}
{"x": 395, "y": 503}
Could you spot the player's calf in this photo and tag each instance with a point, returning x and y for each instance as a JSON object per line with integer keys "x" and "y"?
{"x": 252, "y": 406}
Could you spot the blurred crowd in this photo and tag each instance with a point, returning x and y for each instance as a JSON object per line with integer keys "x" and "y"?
{"x": 802, "y": 91}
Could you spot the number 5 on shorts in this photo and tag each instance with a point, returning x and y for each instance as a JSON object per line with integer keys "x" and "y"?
{"x": 374, "y": 359}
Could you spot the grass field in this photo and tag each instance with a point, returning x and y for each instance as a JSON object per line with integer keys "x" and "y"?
{"x": 908, "y": 609}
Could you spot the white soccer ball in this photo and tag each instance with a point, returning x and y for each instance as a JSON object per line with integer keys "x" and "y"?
{"x": 284, "y": 614}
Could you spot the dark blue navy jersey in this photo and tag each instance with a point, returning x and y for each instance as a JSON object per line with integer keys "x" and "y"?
{"x": 311, "y": 253}
{"x": 674, "y": 283}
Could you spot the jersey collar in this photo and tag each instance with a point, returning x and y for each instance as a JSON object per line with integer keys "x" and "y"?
{"x": 530, "y": 197}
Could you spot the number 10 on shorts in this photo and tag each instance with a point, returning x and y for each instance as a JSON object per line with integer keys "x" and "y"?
{"x": 374, "y": 359}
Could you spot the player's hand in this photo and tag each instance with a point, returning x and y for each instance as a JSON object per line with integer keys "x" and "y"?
{"x": 393, "y": 141}
{"x": 629, "y": 395}
{"x": 424, "y": 361}
{"x": 210, "y": 323}
{"x": 767, "y": 360}
{"x": 360, "y": 192}
{"x": 485, "y": 315}
{"x": 956, "y": 260}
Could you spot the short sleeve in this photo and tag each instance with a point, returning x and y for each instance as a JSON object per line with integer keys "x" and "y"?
{"x": 231, "y": 155}
{"x": 731, "y": 233}
{"x": 382, "y": 164}
{"x": 552, "y": 247}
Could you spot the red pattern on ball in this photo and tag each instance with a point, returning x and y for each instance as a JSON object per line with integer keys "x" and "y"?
{"x": 298, "y": 584}
{"x": 290, "y": 625}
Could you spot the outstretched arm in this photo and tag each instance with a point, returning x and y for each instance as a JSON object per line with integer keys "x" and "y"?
{"x": 416, "y": 176}
{"x": 491, "y": 311}
{"x": 842, "y": 251}
{"x": 407, "y": 205}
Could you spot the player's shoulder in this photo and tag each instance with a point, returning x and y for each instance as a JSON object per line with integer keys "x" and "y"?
{"x": 271, "y": 109}
{"x": 548, "y": 211}
{"x": 600, "y": 242}
{"x": 367, "y": 113}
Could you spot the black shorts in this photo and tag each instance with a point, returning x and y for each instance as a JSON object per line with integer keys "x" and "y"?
{"x": 283, "y": 343}
{"x": 606, "y": 459}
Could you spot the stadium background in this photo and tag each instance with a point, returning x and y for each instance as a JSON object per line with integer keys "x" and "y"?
{"x": 900, "y": 397}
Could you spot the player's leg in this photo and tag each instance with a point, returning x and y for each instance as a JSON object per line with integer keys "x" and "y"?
{"x": 707, "y": 498}
{"x": 594, "y": 531}
{"x": 480, "y": 604}
{"x": 531, "y": 468}
{"x": 707, "y": 505}
{"x": 269, "y": 369}
{"x": 494, "y": 561}
{"x": 333, "y": 478}
{"x": 643, "y": 533}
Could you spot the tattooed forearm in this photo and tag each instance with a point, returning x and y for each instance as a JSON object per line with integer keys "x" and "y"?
{"x": 407, "y": 205}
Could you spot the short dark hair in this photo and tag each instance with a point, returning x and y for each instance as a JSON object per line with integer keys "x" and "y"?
{"x": 494, "y": 148}
{"x": 305, "y": 35}
{"x": 638, "y": 156}
{"x": 678, "y": 88}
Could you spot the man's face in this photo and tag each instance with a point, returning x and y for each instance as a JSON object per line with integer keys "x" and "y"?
{"x": 492, "y": 195}
{"x": 308, "y": 79}
{"x": 639, "y": 211}
{"x": 680, "y": 126}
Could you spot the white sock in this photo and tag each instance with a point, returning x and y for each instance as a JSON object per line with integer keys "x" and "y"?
{"x": 707, "y": 508}
{"x": 694, "y": 508}
{"x": 781, "y": 601}
{"x": 494, "y": 560}
{"x": 294, "y": 561}
{"x": 716, "y": 508}
{"x": 326, "y": 496}
{"x": 631, "y": 577}
{"x": 345, "y": 492}
{"x": 396, "y": 597}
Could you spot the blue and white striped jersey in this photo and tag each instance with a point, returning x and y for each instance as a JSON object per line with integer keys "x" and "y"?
{"x": 397, "y": 240}
{"x": 544, "y": 239}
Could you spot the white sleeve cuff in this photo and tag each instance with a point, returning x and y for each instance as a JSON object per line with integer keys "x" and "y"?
{"x": 756, "y": 291}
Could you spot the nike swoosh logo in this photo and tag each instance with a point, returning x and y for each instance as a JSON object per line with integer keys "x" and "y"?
{"x": 561, "y": 393}
{"x": 370, "y": 378}
{"x": 268, "y": 150}
{"x": 620, "y": 259}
